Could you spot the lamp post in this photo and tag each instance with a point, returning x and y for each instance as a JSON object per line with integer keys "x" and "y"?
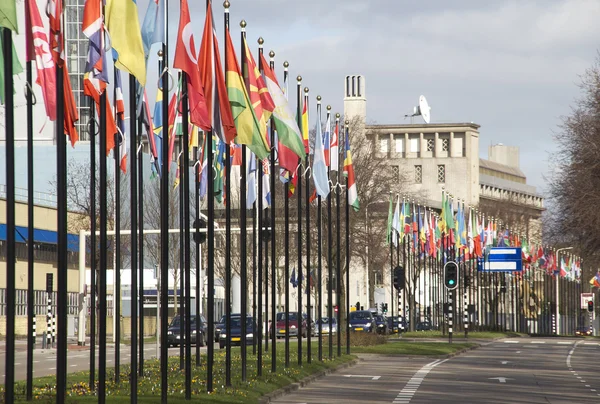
{"x": 557, "y": 294}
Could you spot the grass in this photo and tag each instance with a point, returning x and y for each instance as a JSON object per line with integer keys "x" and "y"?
{"x": 461, "y": 335}
{"x": 149, "y": 386}
{"x": 413, "y": 348}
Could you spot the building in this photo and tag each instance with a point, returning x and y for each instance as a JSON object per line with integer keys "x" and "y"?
{"x": 431, "y": 158}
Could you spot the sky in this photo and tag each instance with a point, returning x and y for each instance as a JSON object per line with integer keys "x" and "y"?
{"x": 512, "y": 67}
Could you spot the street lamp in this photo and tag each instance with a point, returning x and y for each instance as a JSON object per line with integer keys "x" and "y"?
{"x": 557, "y": 294}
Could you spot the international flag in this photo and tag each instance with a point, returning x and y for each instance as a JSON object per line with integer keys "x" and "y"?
{"x": 249, "y": 131}
{"x": 126, "y": 37}
{"x": 327, "y": 141}
{"x": 203, "y": 167}
{"x": 290, "y": 143}
{"x": 396, "y": 223}
{"x": 120, "y": 107}
{"x": 250, "y": 179}
{"x": 595, "y": 281}
{"x": 213, "y": 81}
{"x": 305, "y": 130}
{"x": 219, "y": 167}
{"x": 266, "y": 184}
{"x": 38, "y": 49}
{"x": 16, "y": 66}
{"x": 335, "y": 147}
{"x": 187, "y": 61}
{"x": 158, "y": 134}
{"x": 319, "y": 167}
{"x": 349, "y": 173}
{"x": 153, "y": 26}
{"x": 177, "y": 173}
{"x": 235, "y": 153}
{"x": 405, "y": 220}
{"x": 8, "y": 15}
{"x": 259, "y": 94}
{"x": 93, "y": 28}
{"x": 293, "y": 279}
{"x": 94, "y": 87}
{"x": 390, "y": 220}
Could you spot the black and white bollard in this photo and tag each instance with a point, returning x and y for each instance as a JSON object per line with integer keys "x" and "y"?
{"x": 53, "y": 329}
{"x": 450, "y": 311}
{"x": 33, "y": 331}
{"x": 466, "y": 313}
{"x": 49, "y": 323}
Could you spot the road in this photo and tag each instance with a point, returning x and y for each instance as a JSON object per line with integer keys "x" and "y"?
{"x": 527, "y": 370}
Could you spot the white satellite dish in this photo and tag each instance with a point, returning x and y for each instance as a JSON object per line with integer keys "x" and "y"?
{"x": 423, "y": 109}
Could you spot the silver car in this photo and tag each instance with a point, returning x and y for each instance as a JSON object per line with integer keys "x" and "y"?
{"x": 324, "y": 322}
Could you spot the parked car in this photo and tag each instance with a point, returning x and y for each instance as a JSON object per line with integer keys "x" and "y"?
{"x": 424, "y": 326}
{"x": 220, "y": 326}
{"x": 198, "y": 330}
{"x": 382, "y": 326}
{"x": 362, "y": 321}
{"x": 324, "y": 321}
{"x": 293, "y": 324}
{"x": 583, "y": 331}
{"x": 235, "y": 337}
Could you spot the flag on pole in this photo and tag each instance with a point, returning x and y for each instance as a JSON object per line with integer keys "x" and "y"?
{"x": 93, "y": 28}
{"x": 259, "y": 94}
{"x": 319, "y": 167}
{"x": 396, "y": 223}
{"x": 390, "y": 220}
{"x": 126, "y": 36}
{"x": 305, "y": 130}
{"x": 290, "y": 147}
{"x": 187, "y": 61}
{"x": 158, "y": 134}
{"x": 94, "y": 87}
{"x": 335, "y": 148}
{"x": 153, "y": 26}
{"x": 349, "y": 173}
{"x": 39, "y": 50}
{"x": 249, "y": 131}
{"x": 213, "y": 81}
{"x": 327, "y": 141}
{"x": 120, "y": 107}
{"x": 266, "y": 188}
{"x": 17, "y": 68}
{"x": 293, "y": 279}
{"x": 250, "y": 179}
{"x": 8, "y": 15}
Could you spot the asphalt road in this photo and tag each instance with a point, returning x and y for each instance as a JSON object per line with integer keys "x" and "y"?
{"x": 527, "y": 370}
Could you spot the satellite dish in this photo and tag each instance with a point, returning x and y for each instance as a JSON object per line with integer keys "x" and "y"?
{"x": 423, "y": 109}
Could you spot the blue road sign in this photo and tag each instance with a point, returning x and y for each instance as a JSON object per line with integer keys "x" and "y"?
{"x": 501, "y": 259}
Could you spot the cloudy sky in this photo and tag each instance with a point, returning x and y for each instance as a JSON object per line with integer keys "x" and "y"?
{"x": 510, "y": 66}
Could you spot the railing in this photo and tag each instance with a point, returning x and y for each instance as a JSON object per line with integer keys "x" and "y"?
{"x": 39, "y": 198}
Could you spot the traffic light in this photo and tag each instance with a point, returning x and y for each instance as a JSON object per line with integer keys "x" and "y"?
{"x": 451, "y": 275}
{"x": 357, "y": 305}
{"x": 467, "y": 281}
{"x": 335, "y": 309}
{"x": 399, "y": 277}
{"x": 385, "y": 307}
{"x": 590, "y": 305}
{"x": 200, "y": 237}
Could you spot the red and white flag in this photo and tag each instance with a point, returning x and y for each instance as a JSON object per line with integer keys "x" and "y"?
{"x": 38, "y": 50}
{"x": 335, "y": 151}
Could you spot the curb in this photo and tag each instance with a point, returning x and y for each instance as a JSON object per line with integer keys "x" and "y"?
{"x": 265, "y": 399}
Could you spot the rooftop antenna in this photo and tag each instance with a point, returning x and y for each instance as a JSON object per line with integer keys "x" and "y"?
{"x": 423, "y": 109}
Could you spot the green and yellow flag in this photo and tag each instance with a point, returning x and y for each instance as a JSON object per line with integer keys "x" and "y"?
{"x": 248, "y": 126}
{"x": 8, "y": 15}
{"x": 17, "y": 68}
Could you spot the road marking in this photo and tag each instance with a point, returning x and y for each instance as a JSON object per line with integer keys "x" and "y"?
{"x": 565, "y": 342}
{"x": 73, "y": 366}
{"x": 511, "y": 342}
{"x": 413, "y": 384}
{"x": 590, "y": 343}
{"x": 518, "y": 352}
{"x": 538, "y": 342}
{"x": 371, "y": 377}
{"x": 504, "y": 362}
{"x": 500, "y": 379}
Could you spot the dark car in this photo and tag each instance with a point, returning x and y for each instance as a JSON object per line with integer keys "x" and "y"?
{"x": 382, "y": 325}
{"x": 293, "y": 324}
{"x": 583, "y": 331}
{"x": 235, "y": 336}
{"x": 362, "y": 321}
{"x": 424, "y": 326}
{"x": 220, "y": 326}
{"x": 198, "y": 330}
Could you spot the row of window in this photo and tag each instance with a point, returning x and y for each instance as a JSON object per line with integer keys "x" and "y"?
{"x": 40, "y": 302}
{"x": 418, "y": 173}
{"x": 414, "y": 145}
{"x": 42, "y": 252}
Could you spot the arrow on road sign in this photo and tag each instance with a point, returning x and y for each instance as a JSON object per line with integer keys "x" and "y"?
{"x": 367, "y": 376}
{"x": 500, "y": 379}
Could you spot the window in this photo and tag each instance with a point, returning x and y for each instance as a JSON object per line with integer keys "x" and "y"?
{"x": 441, "y": 173}
{"x": 418, "y": 174}
{"x": 430, "y": 145}
{"x": 383, "y": 145}
{"x": 396, "y": 172}
{"x": 445, "y": 144}
{"x": 399, "y": 140}
{"x": 414, "y": 145}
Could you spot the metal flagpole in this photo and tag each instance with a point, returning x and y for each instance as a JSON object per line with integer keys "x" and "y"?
{"x": 182, "y": 218}
{"x": 338, "y": 275}
{"x": 117, "y": 250}
{"x": 273, "y": 235}
{"x": 300, "y": 278}
{"x": 134, "y": 239}
{"x": 320, "y": 278}
{"x": 347, "y": 254}
{"x": 140, "y": 213}
{"x": 258, "y": 333}
{"x": 184, "y": 176}
{"x": 9, "y": 378}
{"x": 199, "y": 280}
{"x": 30, "y": 215}
{"x": 93, "y": 268}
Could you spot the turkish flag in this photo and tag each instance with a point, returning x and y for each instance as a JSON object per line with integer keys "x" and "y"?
{"x": 187, "y": 61}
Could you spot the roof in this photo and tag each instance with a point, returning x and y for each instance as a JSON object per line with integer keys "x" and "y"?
{"x": 41, "y": 236}
{"x": 508, "y": 185}
{"x": 430, "y": 127}
{"x": 492, "y": 165}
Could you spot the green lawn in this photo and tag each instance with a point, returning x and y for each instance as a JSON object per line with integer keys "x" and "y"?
{"x": 455, "y": 335}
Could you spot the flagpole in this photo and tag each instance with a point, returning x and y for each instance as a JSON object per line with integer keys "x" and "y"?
{"x": 347, "y": 137}
{"x": 320, "y": 278}
{"x": 140, "y": 213}
{"x": 329, "y": 259}
{"x": 273, "y": 235}
{"x": 338, "y": 275}
{"x": 117, "y": 250}
{"x": 184, "y": 177}
{"x": 393, "y": 295}
{"x": 308, "y": 242}
{"x": 299, "y": 233}
{"x": 260, "y": 256}
{"x": 93, "y": 280}
{"x": 243, "y": 197}
{"x": 9, "y": 379}
{"x": 257, "y": 216}
{"x": 211, "y": 243}
{"x": 199, "y": 280}
{"x": 181, "y": 299}
{"x": 134, "y": 239}
{"x": 30, "y": 215}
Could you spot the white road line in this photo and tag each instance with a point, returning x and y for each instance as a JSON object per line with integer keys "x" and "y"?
{"x": 511, "y": 342}
{"x": 564, "y": 342}
{"x": 413, "y": 384}
{"x": 538, "y": 342}
{"x": 590, "y": 343}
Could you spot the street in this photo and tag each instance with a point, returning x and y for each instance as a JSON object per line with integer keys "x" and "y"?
{"x": 527, "y": 370}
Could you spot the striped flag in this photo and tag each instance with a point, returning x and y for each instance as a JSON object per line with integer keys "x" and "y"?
{"x": 94, "y": 87}
{"x": 335, "y": 152}
{"x": 305, "y": 130}
{"x": 266, "y": 188}
{"x": 319, "y": 167}
{"x": 93, "y": 28}
{"x": 120, "y": 107}
{"x": 250, "y": 179}
{"x": 349, "y": 173}
{"x": 327, "y": 141}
